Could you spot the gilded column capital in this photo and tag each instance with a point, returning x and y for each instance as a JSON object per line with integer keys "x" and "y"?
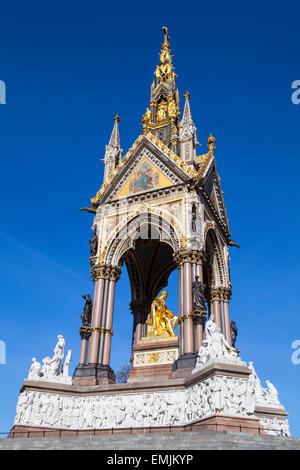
{"x": 105, "y": 271}
{"x": 219, "y": 293}
{"x": 85, "y": 332}
{"x": 199, "y": 318}
{"x": 189, "y": 256}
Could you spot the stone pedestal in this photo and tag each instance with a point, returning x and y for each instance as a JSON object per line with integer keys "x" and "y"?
{"x": 152, "y": 357}
{"x": 93, "y": 374}
{"x": 218, "y": 396}
{"x": 184, "y": 365}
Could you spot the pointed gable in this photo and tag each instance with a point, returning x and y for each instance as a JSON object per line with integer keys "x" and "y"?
{"x": 169, "y": 169}
{"x": 214, "y": 193}
{"x": 145, "y": 177}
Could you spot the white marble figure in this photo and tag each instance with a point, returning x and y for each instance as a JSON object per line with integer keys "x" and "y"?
{"x": 255, "y": 383}
{"x": 271, "y": 394}
{"x": 67, "y": 363}
{"x": 52, "y": 369}
{"x": 215, "y": 347}
{"x": 263, "y": 397}
{"x": 35, "y": 370}
{"x": 59, "y": 352}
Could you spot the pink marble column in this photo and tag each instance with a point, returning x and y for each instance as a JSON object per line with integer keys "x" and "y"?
{"x": 200, "y": 272}
{"x": 217, "y": 313}
{"x": 82, "y": 351}
{"x": 109, "y": 322}
{"x": 139, "y": 328}
{"x": 227, "y": 323}
{"x": 199, "y": 326}
{"x": 187, "y": 307}
{"x": 180, "y": 326}
{"x": 198, "y": 336}
{"x": 96, "y": 321}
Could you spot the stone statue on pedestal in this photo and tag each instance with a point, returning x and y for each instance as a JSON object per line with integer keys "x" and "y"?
{"x": 86, "y": 315}
{"x": 93, "y": 244}
{"x": 67, "y": 364}
{"x": 59, "y": 352}
{"x": 163, "y": 320}
{"x": 215, "y": 346}
{"x": 233, "y": 330}
{"x": 194, "y": 216}
{"x": 35, "y": 370}
{"x": 198, "y": 295}
{"x": 52, "y": 369}
{"x": 271, "y": 394}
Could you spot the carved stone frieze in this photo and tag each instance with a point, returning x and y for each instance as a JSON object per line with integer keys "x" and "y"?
{"x": 214, "y": 395}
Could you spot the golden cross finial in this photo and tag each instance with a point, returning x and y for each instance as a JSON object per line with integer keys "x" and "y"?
{"x": 165, "y": 30}
{"x": 211, "y": 142}
{"x": 117, "y": 118}
{"x": 187, "y": 95}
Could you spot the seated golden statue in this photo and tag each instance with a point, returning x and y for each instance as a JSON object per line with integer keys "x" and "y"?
{"x": 163, "y": 321}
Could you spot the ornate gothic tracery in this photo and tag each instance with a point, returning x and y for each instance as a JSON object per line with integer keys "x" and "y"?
{"x": 160, "y": 208}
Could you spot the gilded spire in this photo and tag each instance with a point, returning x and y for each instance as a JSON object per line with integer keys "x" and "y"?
{"x": 115, "y": 138}
{"x": 113, "y": 151}
{"x": 164, "y": 72}
{"x": 162, "y": 117}
{"x": 187, "y": 115}
{"x": 188, "y": 133}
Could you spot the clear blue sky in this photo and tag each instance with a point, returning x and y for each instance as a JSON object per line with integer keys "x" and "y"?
{"x": 69, "y": 67}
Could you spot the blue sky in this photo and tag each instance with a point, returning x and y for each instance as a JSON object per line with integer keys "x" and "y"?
{"x": 69, "y": 67}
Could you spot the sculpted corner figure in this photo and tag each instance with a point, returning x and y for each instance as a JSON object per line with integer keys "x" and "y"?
{"x": 233, "y": 330}
{"x": 93, "y": 244}
{"x": 194, "y": 217}
{"x": 198, "y": 295}
{"x": 35, "y": 370}
{"x": 272, "y": 393}
{"x": 86, "y": 315}
{"x": 54, "y": 367}
{"x": 215, "y": 345}
{"x": 163, "y": 320}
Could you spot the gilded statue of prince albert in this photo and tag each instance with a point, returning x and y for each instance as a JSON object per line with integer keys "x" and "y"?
{"x": 163, "y": 321}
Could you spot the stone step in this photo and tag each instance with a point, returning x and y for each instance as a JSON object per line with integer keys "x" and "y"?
{"x": 204, "y": 440}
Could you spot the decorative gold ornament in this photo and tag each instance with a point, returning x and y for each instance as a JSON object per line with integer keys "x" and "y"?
{"x": 172, "y": 110}
{"x": 161, "y": 111}
{"x": 211, "y": 142}
{"x": 147, "y": 115}
{"x": 163, "y": 321}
